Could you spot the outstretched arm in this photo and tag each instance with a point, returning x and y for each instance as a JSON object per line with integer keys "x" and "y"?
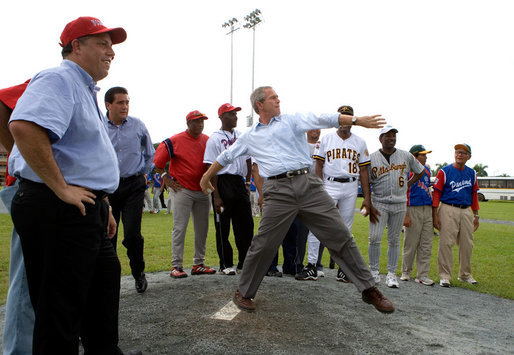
{"x": 375, "y": 121}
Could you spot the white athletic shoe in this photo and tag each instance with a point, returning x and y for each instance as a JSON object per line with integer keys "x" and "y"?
{"x": 405, "y": 277}
{"x": 391, "y": 280}
{"x": 444, "y": 283}
{"x": 229, "y": 271}
{"x": 321, "y": 273}
{"x": 425, "y": 281}
{"x": 375, "y": 275}
{"x": 469, "y": 280}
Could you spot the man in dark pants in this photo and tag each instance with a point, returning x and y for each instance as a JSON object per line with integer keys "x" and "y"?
{"x": 231, "y": 199}
{"x": 135, "y": 152}
{"x": 66, "y": 165}
{"x": 277, "y": 143}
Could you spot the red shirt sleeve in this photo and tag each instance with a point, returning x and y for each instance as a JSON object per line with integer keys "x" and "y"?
{"x": 9, "y": 96}
{"x": 474, "y": 203}
{"x": 161, "y": 156}
{"x": 439, "y": 180}
{"x": 436, "y": 197}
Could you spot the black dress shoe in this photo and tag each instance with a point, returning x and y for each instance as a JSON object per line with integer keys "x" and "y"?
{"x": 331, "y": 265}
{"x": 141, "y": 283}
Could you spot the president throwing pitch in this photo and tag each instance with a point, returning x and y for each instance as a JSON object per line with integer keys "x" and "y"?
{"x": 277, "y": 143}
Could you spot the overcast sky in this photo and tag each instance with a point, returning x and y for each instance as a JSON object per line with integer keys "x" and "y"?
{"x": 441, "y": 72}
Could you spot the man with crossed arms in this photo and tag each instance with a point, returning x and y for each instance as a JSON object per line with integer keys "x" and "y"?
{"x": 277, "y": 143}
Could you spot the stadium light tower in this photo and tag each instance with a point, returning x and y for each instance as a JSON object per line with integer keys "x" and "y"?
{"x": 252, "y": 20}
{"x": 232, "y": 23}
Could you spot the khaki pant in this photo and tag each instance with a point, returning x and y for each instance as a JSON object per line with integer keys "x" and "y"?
{"x": 189, "y": 202}
{"x": 304, "y": 196}
{"x": 456, "y": 227}
{"x": 417, "y": 241}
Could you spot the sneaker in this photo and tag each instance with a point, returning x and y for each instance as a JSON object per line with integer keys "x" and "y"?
{"x": 469, "y": 280}
{"x": 444, "y": 283}
{"x": 238, "y": 270}
{"x": 228, "y": 271}
{"x": 405, "y": 277}
{"x": 391, "y": 280}
{"x": 308, "y": 273}
{"x": 177, "y": 273}
{"x": 201, "y": 269}
{"x": 376, "y": 276}
{"x": 274, "y": 273}
{"x": 341, "y": 276}
{"x": 425, "y": 281}
{"x": 321, "y": 273}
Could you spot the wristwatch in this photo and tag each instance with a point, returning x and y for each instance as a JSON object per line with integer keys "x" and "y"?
{"x": 354, "y": 120}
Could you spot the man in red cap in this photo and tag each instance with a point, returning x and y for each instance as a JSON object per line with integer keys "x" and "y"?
{"x": 185, "y": 153}
{"x": 67, "y": 166}
{"x": 231, "y": 197}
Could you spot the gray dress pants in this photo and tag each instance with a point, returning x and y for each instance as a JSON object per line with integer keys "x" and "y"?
{"x": 301, "y": 195}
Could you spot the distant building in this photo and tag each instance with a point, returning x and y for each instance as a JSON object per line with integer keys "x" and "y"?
{"x": 3, "y": 164}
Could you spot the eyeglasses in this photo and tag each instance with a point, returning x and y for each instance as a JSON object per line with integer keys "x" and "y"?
{"x": 460, "y": 152}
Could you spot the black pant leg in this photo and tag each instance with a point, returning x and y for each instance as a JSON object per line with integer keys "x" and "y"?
{"x": 62, "y": 248}
{"x": 134, "y": 195}
{"x": 222, "y": 228}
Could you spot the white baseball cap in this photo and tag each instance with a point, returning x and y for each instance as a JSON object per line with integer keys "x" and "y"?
{"x": 388, "y": 128}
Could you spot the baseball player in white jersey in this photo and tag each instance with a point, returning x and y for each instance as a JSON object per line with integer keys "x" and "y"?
{"x": 341, "y": 159}
{"x": 389, "y": 172}
{"x": 231, "y": 198}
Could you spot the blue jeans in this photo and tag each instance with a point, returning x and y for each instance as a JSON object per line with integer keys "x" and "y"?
{"x": 19, "y": 314}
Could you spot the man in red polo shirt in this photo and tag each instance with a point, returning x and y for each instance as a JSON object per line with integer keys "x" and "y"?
{"x": 185, "y": 153}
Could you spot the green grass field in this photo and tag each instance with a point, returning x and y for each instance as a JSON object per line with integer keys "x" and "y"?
{"x": 492, "y": 255}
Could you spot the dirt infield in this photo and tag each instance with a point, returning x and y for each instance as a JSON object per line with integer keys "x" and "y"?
{"x": 304, "y": 317}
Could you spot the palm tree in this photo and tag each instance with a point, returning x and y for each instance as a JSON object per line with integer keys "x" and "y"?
{"x": 439, "y": 166}
{"x": 480, "y": 169}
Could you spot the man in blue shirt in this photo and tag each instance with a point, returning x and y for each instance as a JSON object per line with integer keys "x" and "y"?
{"x": 134, "y": 151}
{"x": 278, "y": 145}
{"x": 419, "y": 229}
{"x": 67, "y": 165}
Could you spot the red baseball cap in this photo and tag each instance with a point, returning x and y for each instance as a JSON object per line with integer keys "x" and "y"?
{"x": 84, "y": 26}
{"x": 194, "y": 115}
{"x": 227, "y": 108}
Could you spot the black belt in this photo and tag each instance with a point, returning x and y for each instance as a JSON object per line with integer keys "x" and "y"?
{"x": 100, "y": 195}
{"x": 123, "y": 179}
{"x": 459, "y": 206}
{"x": 341, "y": 179}
{"x": 291, "y": 173}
